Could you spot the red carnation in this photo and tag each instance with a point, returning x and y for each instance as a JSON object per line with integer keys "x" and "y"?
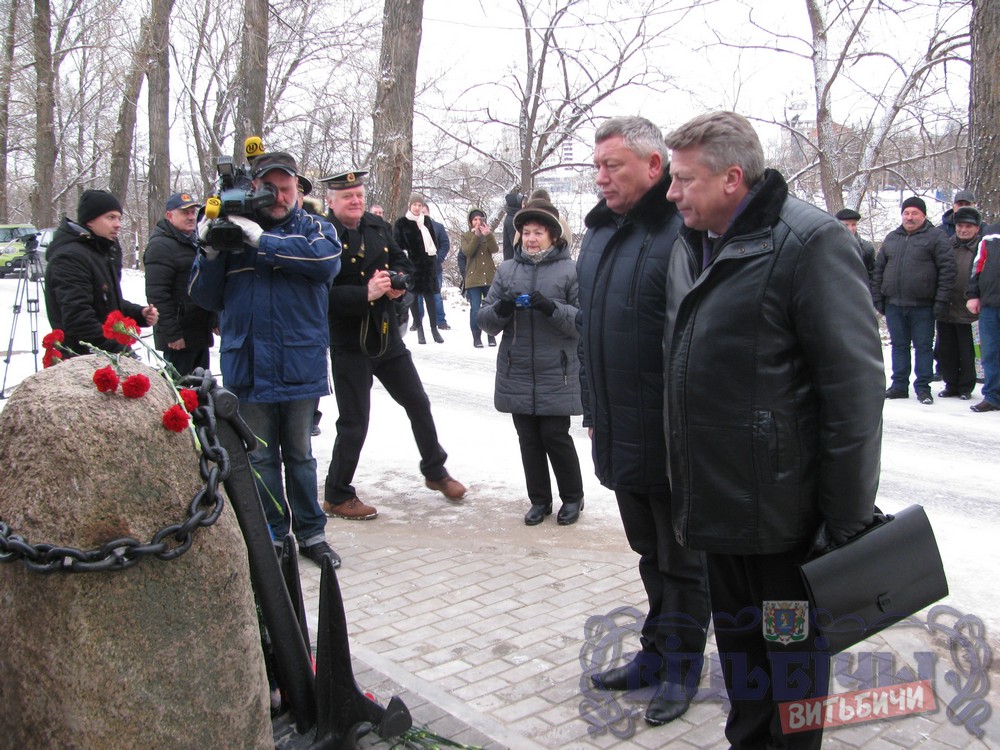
{"x": 175, "y": 418}
{"x": 135, "y": 386}
{"x": 120, "y": 328}
{"x": 106, "y": 380}
{"x": 51, "y": 357}
{"x": 190, "y": 399}
{"x": 51, "y": 339}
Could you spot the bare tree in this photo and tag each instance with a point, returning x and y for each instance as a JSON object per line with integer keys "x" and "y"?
{"x": 576, "y": 58}
{"x": 900, "y": 103}
{"x": 984, "y": 111}
{"x": 6, "y": 73}
{"x": 253, "y": 73}
{"x": 392, "y": 117}
{"x": 45, "y": 140}
{"x": 159, "y": 109}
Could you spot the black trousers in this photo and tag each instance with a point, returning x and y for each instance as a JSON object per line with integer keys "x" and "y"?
{"x": 352, "y": 384}
{"x": 186, "y": 360}
{"x": 760, "y": 673}
{"x": 956, "y": 356}
{"x": 546, "y": 439}
{"x": 676, "y": 582}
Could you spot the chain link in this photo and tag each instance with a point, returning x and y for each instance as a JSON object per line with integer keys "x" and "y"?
{"x": 169, "y": 542}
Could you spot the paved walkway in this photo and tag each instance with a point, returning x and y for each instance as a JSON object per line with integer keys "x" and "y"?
{"x": 485, "y": 626}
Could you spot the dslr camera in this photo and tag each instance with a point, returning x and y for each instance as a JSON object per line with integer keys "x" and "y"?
{"x": 235, "y": 196}
{"x": 400, "y": 280}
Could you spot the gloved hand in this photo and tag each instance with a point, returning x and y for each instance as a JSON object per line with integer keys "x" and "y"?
{"x": 251, "y": 229}
{"x": 941, "y": 310}
{"x": 880, "y": 307}
{"x": 542, "y": 303}
{"x": 204, "y": 225}
{"x": 505, "y": 307}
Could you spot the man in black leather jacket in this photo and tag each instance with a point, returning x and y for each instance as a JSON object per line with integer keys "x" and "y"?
{"x": 773, "y": 408}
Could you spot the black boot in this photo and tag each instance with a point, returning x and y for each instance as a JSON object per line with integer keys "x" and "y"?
{"x": 435, "y": 335}
{"x": 420, "y": 334}
{"x": 491, "y": 340}
{"x": 537, "y": 513}
{"x": 569, "y": 513}
{"x": 477, "y": 340}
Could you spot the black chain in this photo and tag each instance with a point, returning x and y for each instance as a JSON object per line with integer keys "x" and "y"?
{"x": 169, "y": 542}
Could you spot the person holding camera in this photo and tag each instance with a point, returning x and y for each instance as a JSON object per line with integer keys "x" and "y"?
{"x": 534, "y": 300}
{"x": 365, "y": 342}
{"x": 478, "y": 247}
{"x": 272, "y": 293}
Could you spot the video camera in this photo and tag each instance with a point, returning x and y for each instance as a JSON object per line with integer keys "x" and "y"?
{"x": 235, "y": 196}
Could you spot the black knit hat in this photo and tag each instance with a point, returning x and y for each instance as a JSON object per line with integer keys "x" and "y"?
{"x": 94, "y": 203}
{"x": 543, "y": 212}
{"x": 848, "y": 214}
{"x": 914, "y": 202}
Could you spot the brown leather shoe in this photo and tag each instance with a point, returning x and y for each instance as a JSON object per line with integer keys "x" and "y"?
{"x": 984, "y": 405}
{"x": 450, "y": 488}
{"x": 352, "y": 510}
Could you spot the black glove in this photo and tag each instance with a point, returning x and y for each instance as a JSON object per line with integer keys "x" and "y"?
{"x": 941, "y": 310}
{"x": 505, "y": 307}
{"x": 542, "y": 303}
{"x": 880, "y": 307}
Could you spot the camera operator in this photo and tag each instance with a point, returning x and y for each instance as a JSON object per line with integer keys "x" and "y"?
{"x": 365, "y": 341}
{"x": 272, "y": 294}
{"x": 184, "y": 330}
{"x": 84, "y": 273}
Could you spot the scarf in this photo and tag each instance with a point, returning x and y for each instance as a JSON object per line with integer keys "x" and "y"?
{"x": 429, "y": 247}
{"x": 538, "y": 257}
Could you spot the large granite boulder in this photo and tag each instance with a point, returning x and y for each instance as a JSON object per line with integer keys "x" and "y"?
{"x": 165, "y": 654}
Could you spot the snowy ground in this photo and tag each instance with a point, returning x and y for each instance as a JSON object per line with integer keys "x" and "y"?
{"x": 943, "y": 457}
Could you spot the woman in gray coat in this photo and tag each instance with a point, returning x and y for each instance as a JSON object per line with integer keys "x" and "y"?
{"x": 533, "y": 300}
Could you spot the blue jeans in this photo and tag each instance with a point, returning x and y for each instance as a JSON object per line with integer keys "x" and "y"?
{"x": 286, "y": 429}
{"x": 989, "y": 349}
{"x": 438, "y": 303}
{"x": 911, "y": 325}
{"x": 476, "y": 294}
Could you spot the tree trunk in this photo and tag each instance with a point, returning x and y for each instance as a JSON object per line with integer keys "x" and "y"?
{"x": 42, "y": 214}
{"x": 121, "y": 146}
{"x": 159, "y": 110}
{"x": 6, "y": 73}
{"x": 392, "y": 132}
{"x": 253, "y": 76}
{"x": 984, "y": 109}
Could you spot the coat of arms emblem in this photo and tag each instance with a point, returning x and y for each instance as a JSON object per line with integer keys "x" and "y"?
{"x": 786, "y": 621}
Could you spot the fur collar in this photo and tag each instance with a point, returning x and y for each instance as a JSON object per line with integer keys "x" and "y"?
{"x": 653, "y": 209}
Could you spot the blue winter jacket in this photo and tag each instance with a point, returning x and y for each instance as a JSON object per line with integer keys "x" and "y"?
{"x": 273, "y": 303}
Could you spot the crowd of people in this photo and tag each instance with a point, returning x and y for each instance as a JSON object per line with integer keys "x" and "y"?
{"x": 717, "y": 335}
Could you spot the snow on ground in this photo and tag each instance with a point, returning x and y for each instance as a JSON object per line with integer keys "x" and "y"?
{"x": 943, "y": 457}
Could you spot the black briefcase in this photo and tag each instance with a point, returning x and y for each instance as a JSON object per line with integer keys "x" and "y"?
{"x": 885, "y": 574}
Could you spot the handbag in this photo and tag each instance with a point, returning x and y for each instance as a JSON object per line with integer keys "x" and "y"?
{"x": 875, "y": 579}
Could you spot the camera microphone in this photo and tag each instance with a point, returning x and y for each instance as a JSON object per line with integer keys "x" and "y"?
{"x": 253, "y": 147}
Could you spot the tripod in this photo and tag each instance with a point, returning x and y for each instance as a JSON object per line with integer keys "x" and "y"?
{"x": 30, "y": 288}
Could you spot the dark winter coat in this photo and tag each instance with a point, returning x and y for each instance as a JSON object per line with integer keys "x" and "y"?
{"x": 984, "y": 284}
{"x": 168, "y": 259}
{"x": 407, "y": 236}
{"x": 914, "y": 270}
{"x": 965, "y": 253}
{"x": 622, "y": 274}
{"x": 512, "y": 204}
{"x": 443, "y": 243}
{"x": 83, "y": 276}
{"x": 355, "y": 323}
{"x": 272, "y": 300}
{"x": 774, "y": 381}
{"x": 538, "y": 371}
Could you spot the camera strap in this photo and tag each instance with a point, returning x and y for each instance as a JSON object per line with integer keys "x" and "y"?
{"x": 383, "y": 333}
